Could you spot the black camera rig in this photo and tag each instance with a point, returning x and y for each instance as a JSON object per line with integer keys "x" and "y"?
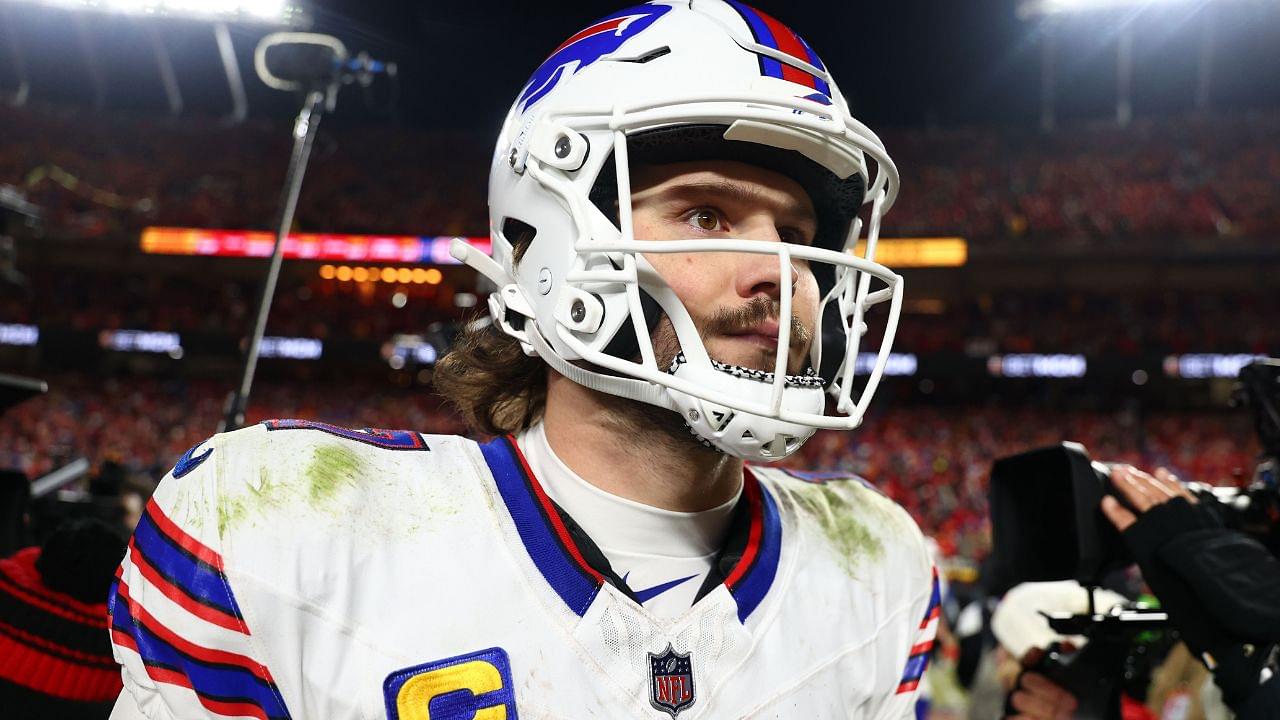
{"x": 1047, "y": 525}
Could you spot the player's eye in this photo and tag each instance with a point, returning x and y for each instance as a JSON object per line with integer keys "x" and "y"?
{"x": 705, "y": 219}
{"x": 794, "y": 235}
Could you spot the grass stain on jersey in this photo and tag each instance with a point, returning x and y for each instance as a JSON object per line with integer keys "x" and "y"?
{"x": 332, "y": 467}
{"x": 232, "y": 511}
{"x": 842, "y": 519}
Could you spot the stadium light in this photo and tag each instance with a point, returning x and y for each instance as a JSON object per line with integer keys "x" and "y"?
{"x": 1050, "y": 12}
{"x": 1038, "y": 8}
{"x": 272, "y": 12}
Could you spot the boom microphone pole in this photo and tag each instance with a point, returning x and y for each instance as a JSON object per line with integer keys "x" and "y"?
{"x": 315, "y": 66}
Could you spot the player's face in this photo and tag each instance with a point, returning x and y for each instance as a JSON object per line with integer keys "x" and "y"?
{"x": 733, "y": 297}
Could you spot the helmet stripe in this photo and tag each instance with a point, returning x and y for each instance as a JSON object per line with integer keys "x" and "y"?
{"x": 772, "y": 33}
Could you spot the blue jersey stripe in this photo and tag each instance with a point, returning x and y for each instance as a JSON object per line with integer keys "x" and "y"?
{"x": 216, "y": 681}
{"x": 915, "y": 667}
{"x": 749, "y": 592}
{"x": 552, "y": 559}
{"x": 935, "y": 600}
{"x": 203, "y": 582}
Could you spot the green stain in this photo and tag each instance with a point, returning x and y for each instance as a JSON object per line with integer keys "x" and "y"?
{"x": 230, "y": 514}
{"x": 843, "y": 518}
{"x": 332, "y": 467}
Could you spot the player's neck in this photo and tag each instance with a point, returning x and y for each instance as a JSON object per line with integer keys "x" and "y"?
{"x": 635, "y": 451}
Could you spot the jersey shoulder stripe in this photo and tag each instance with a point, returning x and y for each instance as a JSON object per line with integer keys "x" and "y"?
{"x": 224, "y": 682}
{"x": 922, "y": 650}
{"x": 186, "y": 571}
{"x": 179, "y": 630}
{"x": 754, "y": 573}
{"x": 540, "y": 527}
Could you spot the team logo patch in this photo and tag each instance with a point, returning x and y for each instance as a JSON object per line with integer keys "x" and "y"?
{"x": 475, "y": 685}
{"x": 671, "y": 681}
{"x": 190, "y": 461}
{"x": 588, "y": 46}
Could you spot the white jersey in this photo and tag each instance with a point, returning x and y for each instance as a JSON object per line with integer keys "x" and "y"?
{"x": 662, "y": 556}
{"x": 299, "y": 570}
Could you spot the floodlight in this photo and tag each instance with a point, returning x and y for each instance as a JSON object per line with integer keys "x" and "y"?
{"x": 272, "y": 12}
{"x": 1036, "y": 8}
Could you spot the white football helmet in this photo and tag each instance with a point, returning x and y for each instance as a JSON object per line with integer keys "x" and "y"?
{"x": 676, "y": 81}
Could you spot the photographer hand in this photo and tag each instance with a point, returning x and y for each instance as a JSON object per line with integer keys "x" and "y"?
{"x": 1039, "y": 698}
{"x": 1142, "y": 491}
{"x": 1220, "y": 587}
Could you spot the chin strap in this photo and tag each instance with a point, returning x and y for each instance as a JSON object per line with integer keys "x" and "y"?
{"x": 630, "y": 388}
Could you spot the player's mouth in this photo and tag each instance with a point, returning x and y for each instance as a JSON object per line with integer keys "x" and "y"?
{"x": 761, "y": 341}
{"x": 765, "y": 334}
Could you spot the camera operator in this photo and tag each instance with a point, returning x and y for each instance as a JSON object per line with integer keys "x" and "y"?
{"x": 1195, "y": 565}
{"x": 1220, "y": 587}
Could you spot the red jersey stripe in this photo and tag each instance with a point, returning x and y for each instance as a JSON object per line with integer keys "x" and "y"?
{"x": 176, "y": 594}
{"x": 200, "y": 653}
{"x": 755, "y": 506}
{"x": 552, "y": 516}
{"x": 171, "y": 530}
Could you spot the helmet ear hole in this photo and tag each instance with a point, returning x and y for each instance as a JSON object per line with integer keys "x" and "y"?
{"x": 624, "y": 345}
{"x": 519, "y": 234}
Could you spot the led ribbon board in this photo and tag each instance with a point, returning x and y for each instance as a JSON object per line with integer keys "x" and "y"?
{"x": 141, "y": 341}
{"x": 19, "y": 334}
{"x": 408, "y": 249}
{"x": 294, "y": 348}
{"x": 1208, "y": 365}
{"x": 1034, "y": 365}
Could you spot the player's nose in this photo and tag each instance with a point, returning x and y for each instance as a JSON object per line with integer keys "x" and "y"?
{"x": 762, "y": 273}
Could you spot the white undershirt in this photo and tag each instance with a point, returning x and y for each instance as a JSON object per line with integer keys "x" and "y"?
{"x": 647, "y": 546}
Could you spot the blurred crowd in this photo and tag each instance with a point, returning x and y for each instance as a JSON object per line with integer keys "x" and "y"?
{"x": 108, "y": 176}
{"x": 219, "y": 305}
{"x": 1096, "y": 323}
{"x": 1152, "y": 182}
{"x": 145, "y": 424}
{"x": 934, "y": 461}
{"x": 1007, "y": 322}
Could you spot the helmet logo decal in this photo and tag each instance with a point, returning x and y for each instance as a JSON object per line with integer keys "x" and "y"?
{"x": 773, "y": 34}
{"x": 587, "y": 46}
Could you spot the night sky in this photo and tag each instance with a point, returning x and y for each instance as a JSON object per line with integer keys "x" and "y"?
{"x": 901, "y": 63}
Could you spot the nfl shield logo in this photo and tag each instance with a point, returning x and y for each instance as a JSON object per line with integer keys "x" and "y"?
{"x": 670, "y": 681}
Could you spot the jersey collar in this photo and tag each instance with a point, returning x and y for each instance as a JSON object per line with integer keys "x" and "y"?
{"x": 576, "y": 569}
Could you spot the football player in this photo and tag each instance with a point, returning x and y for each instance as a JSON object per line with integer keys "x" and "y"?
{"x": 680, "y": 296}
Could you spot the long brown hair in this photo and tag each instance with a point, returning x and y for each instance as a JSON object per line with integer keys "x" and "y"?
{"x": 486, "y": 375}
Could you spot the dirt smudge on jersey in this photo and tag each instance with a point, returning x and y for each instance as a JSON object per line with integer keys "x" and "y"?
{"x": 266, "y": 493}
{"x": 331, "y": 468}
{"x": 848, "y": 524}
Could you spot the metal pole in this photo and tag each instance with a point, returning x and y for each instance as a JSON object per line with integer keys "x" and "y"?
{"x": 1204, "y": 68}
{"x": 1124, "y": 75}
{"x": 168, "y": 77}
{"x": 1047, "y": 59}
{"x": 304, "y": 134}
{"x": 231, "y": 68}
